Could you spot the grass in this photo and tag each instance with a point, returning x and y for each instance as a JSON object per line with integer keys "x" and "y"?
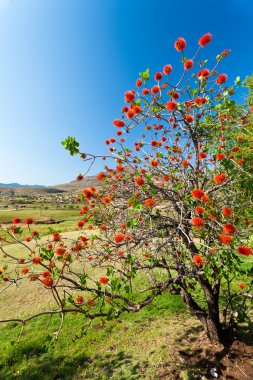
{"x": 67, "y": 218}
{"x": 136, "y": 346}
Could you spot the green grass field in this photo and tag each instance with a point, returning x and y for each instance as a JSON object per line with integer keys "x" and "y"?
{"x": 67, "y": 218}
{"x": 136, "y": 346}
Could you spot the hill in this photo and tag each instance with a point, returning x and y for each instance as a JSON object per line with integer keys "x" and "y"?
{"x": 18, "y": 185}
{"x": 73, "y": 186}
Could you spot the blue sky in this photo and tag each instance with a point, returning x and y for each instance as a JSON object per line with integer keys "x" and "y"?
{"x": 65, "y": 64}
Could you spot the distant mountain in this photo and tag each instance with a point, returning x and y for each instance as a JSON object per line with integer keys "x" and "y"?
{"x": 71, "y": 187}
{"x": 18, "y": 185}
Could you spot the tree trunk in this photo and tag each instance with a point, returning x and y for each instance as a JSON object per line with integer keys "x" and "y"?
{"x": 210, "y": 319}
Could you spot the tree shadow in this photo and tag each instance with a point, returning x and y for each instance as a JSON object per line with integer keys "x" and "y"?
{"x": 245, "y": 334}
{"x": 43, "y": 365}
{"x": 199, "y": 356}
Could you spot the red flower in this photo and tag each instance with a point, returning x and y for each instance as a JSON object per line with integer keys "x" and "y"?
{"x": 202, "y": 155}
{"x": 119, "y": 238}
{"x": 48, "y": 281}
{"x": 120, "y": 168}
{"x": 167, "y": 69}
{"x": 220, "y": 178}
{"x": 129, "y": 96}
{"x": 225, "y": 52}
{"x": 138, "y": 83}
{"x": 226, "y": 239}
{"x": 79, "y": 299}
{"x": 24, "y": 270}
{"x": 90, "y": 303}
{"x": 16, "y": 220}
{"x": 171, "y": 106}
{"x": 145, "y": 91}
{"x": 35, "y": 234}
{"x": 220, "y": 156}
{"x": 180, "y": 44}
{"x": 175, "y": 95}
{"x": 244, "y": 250}
{"x": 189, "y": 119}
{"x": 200, "y": 101}
{"x": 185, "y": 163}
{"x": 29, "y": 221}
{"x": 155, "y": 89}
{"x": 88, "y": 193}
{"x": 197, "y": 193}
{"x": 80, "y": 223}
{"x": 28, "y": 238}
{"x": 79, "y": 177}
{"x": 227, "y": 211}
{"x": 204, "y": 74}
{"x": 158, "y": 76}
{"x": 205, "y": 39}
{"x": 136, "y": 109}
{"x": 188, "y": 64}
{"x": 130, "y": 114}
{"x": 106, "y": 199}
{"x": 205, "y": 199}
{"x": 101, "y": 176}
{"x": 46, "y": 274}
{"x": 199, "y": 260}
{"x": 139, "y": 181}
{"x": 56, "y": 236}
{"x": 150, "y": 202}
{"x": 199, "y": 210}
{"x": 103, "y": 280}
{"x": 60, "y": 251}
{"x": 154, "y": 163}
{"x": 119, "y": 123}
{"x": 221, "y": 79}
{"x": 229, "y": 229}
{"x": 198, "y": 222}
{"x": 36, "y": 260}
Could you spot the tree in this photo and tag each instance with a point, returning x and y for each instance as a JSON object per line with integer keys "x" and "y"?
{"x": 172, "y": 214}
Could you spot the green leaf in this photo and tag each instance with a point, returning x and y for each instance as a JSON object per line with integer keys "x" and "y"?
{"x": 137, "y": 102}
{"x": 71, "y": 145}
{"x": 56, "y": 273}
{"x": 46, "y": 253}
{"x": 237, "y": 80}
{"x": 132, "y": 223}
{"x": 83, "y": 279}
{"x": 145, "y": 75}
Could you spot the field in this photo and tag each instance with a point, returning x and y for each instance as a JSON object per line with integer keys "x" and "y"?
{"x": 62, "y": 218}
{"x": 162, "y": 341}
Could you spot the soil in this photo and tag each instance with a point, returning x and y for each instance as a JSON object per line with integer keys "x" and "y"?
{"x": 195, "y": 357}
